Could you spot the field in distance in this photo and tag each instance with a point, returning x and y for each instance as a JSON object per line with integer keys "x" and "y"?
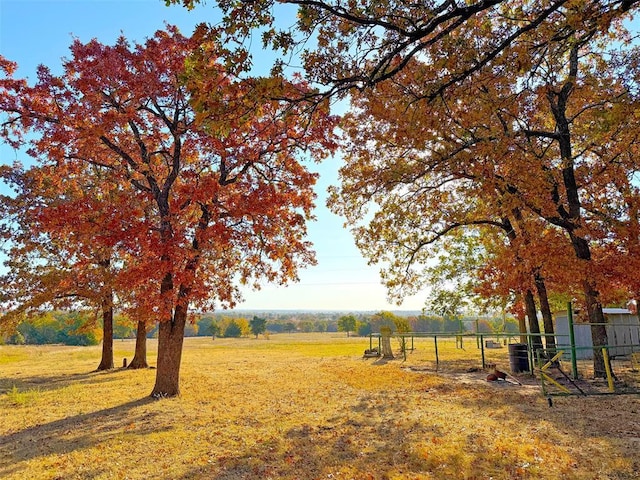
{"x": 299, "y": 406}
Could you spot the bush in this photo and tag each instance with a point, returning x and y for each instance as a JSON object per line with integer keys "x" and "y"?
{"x": 233, "y": 330}
{"x": 364, "y": 329}
{"x": 16, "y": 339}
{"x": 205, "y": 327}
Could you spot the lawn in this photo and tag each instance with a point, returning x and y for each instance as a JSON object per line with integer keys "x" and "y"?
{"x": 297, "y": 407}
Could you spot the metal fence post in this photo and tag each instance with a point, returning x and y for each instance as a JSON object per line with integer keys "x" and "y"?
{"x": 572, "y": 341}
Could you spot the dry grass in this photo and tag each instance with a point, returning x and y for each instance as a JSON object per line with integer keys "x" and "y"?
{"x": 296, "y": 407}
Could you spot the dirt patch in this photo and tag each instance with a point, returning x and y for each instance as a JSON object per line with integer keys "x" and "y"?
{"x": 478, "y": 378}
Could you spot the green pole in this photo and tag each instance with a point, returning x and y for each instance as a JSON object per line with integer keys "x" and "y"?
{"x": 435, "y": 340}
{"x": 482, "y": 350}
{"x": 572, "y": 341}
{"x": 404, "y": 347}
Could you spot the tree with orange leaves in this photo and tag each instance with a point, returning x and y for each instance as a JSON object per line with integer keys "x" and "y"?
{"x": 50, "y": 239}
{"x": 356, "y": 45}
{"x": 549, "y": 137}
{"x": 219, "y": 176}
{"x": 528, "y": 61}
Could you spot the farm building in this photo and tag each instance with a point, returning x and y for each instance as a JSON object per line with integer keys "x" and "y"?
{"x": 623, "y": 332}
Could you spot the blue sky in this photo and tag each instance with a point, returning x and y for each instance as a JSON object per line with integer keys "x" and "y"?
{"x": 34, "y": 32}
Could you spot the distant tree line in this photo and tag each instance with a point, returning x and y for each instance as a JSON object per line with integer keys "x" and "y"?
{"x": 69, "y": 328}
{"x": 365, "y": 324}
{"x": 78, "y": 328}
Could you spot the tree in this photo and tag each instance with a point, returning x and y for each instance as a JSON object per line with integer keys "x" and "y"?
{"x": 205, "y": 326}
{"x": 52, "y": 258}
{"x": 306, "y": 326}
{"x": 321, "y": 326}
{"x": 484, "y": 326}
{"x": 123, "y": 327}
{"x": 424, "y": 323}
{"x": 549, "y": 139}
{"x": 360, "y": 44}
{"x": 139, "y": 360}
{"x": 16, "y": 339}
{"x": 385, "y": 336}
{"x": 258, "y": 325}
{"x": 41, "y": 329}
{"x": 232, "y": 330}
{"x": 215, "y": 330}
{"x": 224, "y": 194}
{"x": 69, "y": 328}
{"x": 363, "y": 329}
{"x": 347, "y": 323}
{"x": 584, "y": 100}
{"x": 421, "y": 215}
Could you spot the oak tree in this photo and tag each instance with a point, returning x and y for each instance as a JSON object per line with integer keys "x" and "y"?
{"x": 258, "y": 325}
{"x": 220, "y": 175}
{"x": 350, "y": 45}
{"x": 347, "y": 323}
{"x": 547, "y": 136}
{"x": 49, "y": 239}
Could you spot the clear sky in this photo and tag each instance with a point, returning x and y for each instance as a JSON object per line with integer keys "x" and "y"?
{"x": 34, "y": 32}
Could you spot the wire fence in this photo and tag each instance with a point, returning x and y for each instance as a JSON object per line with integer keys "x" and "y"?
{"x": 561, "y": 370}
{"x": 563, "y": 374}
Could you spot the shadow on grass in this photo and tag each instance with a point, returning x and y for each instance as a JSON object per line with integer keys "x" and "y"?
{"x": 56, "y": 382}
{"x": 74, "y": 433}
{"x": 381, "y": 361}
{"x": 377, "y": 438}
{"x": 322, "y": 451}
{"x": 368, "y": 441}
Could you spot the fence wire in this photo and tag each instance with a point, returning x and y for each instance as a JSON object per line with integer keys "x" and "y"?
{"x": 457, "y": 353}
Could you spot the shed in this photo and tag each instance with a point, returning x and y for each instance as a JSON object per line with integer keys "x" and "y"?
{"x": 623, "y": 332}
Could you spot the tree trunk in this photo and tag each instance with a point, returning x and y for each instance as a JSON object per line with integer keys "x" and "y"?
{"x": 170, "y": 340}
{"x": 522, "y": 328}
{"x": 522, "y": 325}
{"x": 571, "y": 210}
{"x": 598, "y": 329}
{"x": 545, "y": 309}
{"x": 529, "y": 302}
{"x": 106, "y": 363}
{"x": 171, "y": 331}
{"x": 387, "y": 352}
{"x": 594, "y": 308}
{"x": 534, "y": 327}
{"x": 140, "y": 357}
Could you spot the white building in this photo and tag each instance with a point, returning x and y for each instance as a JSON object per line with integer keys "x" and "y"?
{"x": 623, "y": 332}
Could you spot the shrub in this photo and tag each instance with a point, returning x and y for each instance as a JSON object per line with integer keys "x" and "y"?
{"x": 233, "y": 330}
{"x": 16, "y": 339}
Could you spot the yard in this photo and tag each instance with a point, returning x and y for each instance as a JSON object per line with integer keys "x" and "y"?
{"x": 299, "y": 406}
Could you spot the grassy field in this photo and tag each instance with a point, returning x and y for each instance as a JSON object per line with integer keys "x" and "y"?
{"x": 297, "y": 407}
